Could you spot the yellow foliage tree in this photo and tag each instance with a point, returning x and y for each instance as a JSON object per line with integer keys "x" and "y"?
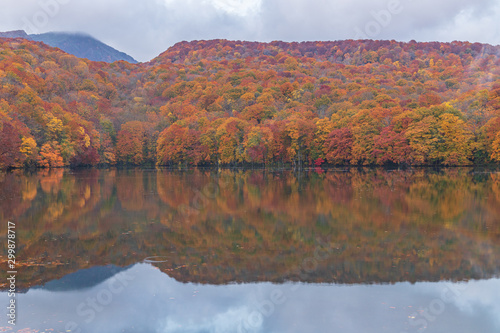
{"x": 54, "y": 129}
{"x": 457, "y": 146}
{"x": 50, "y": 155}
{"x": 495, "y": 154}
{"x": 29, "y": 148}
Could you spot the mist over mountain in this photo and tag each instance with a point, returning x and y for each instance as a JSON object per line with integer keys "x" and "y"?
{"x": 77, "y": 44}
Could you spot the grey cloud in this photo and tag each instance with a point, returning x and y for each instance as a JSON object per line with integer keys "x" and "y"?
{"x": 146, "y": 28}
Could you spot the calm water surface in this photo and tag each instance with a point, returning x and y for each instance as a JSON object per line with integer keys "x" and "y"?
{"x": 253, "y": 251}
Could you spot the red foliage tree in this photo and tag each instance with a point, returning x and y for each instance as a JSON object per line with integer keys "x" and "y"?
{"x": 339, "y": 146}
{"x": 10, "y": 146}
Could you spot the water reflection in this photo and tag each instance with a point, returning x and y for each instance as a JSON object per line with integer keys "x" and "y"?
{"x": 222, "y": 226}
{"x": 143, "y": 299}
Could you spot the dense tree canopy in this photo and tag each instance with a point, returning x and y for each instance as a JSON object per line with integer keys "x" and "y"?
{"x": 233, "y": 102}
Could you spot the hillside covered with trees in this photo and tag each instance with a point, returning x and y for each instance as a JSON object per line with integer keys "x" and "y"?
{"x": 224, "y": 102}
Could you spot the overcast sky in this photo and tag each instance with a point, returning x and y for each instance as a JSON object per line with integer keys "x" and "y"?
{"x": 145, "y": 28}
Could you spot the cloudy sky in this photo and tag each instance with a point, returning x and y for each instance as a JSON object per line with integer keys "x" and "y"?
{"x": 146, "y": 28}
{"x": 148, "y": 300}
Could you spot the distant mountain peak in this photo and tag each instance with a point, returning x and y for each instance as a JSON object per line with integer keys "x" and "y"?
{"x": 83, "y": 46}
{"x": 14, "y": 34}
{"x": 79, "y": 44}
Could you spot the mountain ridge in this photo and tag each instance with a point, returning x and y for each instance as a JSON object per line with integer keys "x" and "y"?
{"x": 15, "y": 34}
{"x": 313, "y": 49}
{"x": 78, "y": 44}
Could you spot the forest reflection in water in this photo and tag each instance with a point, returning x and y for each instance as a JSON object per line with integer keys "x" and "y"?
{"x": 220, "y": 226}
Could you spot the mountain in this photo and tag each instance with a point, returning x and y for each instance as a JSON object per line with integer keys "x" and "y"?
{"x": 83, "y": 278}
{"x": 15, "y": 34}
{"x": 82, "y": 46}
{"x": 77, "y": 44}
{"x": 223, "y": 102}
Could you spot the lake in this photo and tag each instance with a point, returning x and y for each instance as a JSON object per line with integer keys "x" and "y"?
{"x": 337, "y": 250}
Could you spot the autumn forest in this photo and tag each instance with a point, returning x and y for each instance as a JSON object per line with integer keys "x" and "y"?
{"x": 234, "y": 103}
